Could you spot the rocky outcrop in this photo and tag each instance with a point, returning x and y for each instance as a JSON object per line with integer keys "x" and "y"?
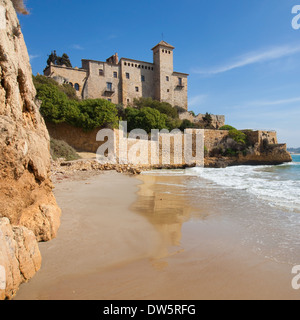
{"x": 272, "y": 155}
{"x": 25, "y": 188}
{"x": 19, "y": 257}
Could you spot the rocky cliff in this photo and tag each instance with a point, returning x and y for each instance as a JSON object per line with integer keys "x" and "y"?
{"x": 28, "y": 212}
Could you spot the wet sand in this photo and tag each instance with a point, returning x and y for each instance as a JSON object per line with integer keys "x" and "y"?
{"x": 144, "y": 238}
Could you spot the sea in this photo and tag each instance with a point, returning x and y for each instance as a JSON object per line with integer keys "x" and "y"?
{"x": 265, "y": 200}
{"x": 279, "y": 186}
{"x": 262, "y": 201}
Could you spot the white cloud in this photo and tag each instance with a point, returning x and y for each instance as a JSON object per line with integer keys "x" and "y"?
{"x": 77, "y": 47}
{"x": 33, "y": 56}
{"x": 252, "y": 58}
{"x": 265, "y": 103}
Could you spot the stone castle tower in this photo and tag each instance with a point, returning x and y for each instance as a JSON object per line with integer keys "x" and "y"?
{"x": 121, "y": 81}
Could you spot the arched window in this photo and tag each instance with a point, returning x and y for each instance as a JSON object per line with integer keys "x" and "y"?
{"x": 71, "y": 84}
{"x": 76, "y": 86}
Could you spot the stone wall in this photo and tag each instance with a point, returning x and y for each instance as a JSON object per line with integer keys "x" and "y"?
{"x": 260, "y": 136}
{"x": 212, "y": 138}
{"x": 148, "y": 150}
{"x": 93, "y": 77}
{"x": 76, "y": 137}
{"x": 218, "y": 121}
{"x": 71, "y": 75}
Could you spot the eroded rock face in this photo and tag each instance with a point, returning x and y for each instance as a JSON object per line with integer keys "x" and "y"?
{"x": 19, "y": 255}
{"x": 26, "y": 197}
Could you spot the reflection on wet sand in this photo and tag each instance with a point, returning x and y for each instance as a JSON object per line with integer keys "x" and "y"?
{"x": 165, "y": 206}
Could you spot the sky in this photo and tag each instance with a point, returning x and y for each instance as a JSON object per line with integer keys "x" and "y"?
{"x": 243, "y": 57}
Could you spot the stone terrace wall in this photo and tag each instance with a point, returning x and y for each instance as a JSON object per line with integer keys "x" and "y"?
{"x": 212, "y": 138}
{"x": 76, "y": 137}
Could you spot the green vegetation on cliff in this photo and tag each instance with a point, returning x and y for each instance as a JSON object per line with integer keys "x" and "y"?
{"x": 60, "y": 105}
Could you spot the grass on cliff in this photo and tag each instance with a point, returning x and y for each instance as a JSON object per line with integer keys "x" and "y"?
{"x": 60, "y": 149}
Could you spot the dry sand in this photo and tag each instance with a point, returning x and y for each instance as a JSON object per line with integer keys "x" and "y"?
{"x": 116, "y": 244}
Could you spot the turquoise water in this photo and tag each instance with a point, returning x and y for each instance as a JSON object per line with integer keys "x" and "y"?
{"x": 278, "y": 186}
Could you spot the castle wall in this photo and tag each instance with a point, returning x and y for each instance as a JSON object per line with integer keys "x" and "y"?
{"x": 212, "y": 138}
{"x": 161, "y": 83}
{"x": 71, "y": 75}
{"x": 96, "y": 85}
{"x": 136, "y": 69}
{"x": 218, "y": 121}
{"x": 180, "y": 93}
{"x": 76, "y": 137}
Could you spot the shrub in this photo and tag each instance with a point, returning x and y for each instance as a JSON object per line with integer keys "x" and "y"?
{"x": 238, "y": 136}
{"x": 227, "y": 127}
{"x": 162, "y": 107}
{"x": 230, "y": 152}
{"x": 173, "y": 123}
{"x": 60, "y": 149}
{"x": 145, "y": 118}
{"x": 88, "y": 114}
{"x": 180, "y": 109}
{"x": 208, "y": 121}
{"x": 186, "y": 124}
{"x": 65, "y": 88}
{"x": 206, "y": 153}
{"x": 97, "y": 113}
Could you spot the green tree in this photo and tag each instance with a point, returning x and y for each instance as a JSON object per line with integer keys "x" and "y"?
{"x": 227, "y": 127}
{"x": 145, "y": 118}
{"x": 186, "y": 124}
{"x": 208, "y": 120}
{"x": 59, "y": 61}
{"x": 238, "y": 136}
{"x": 98, "y": 113}
{"x": 162, "y": 107}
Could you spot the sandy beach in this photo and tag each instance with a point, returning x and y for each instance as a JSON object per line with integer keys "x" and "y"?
{"x": 125, "y": 237}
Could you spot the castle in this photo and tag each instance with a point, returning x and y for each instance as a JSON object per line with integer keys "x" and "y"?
{"x": 121, "y": 81}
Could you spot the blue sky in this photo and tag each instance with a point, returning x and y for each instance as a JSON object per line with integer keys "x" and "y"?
{"x": 243, "y": 57}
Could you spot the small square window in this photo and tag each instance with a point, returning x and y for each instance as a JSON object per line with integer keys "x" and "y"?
{"x": 168, "y": 90}
{"x": 115, "y": 74}
{"x": 136, "y": 89}
{"x": 109, "y": 86}
{"x": 127, "y": 75}
{"x": 101, "y": 72}
{"x": 109, "y": 100}
{"x": 143, "y": 79}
